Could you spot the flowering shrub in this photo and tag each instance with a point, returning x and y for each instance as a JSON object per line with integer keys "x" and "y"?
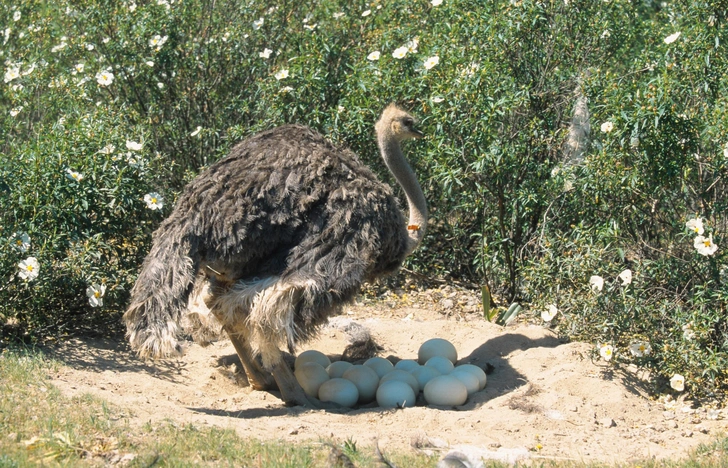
{"x": 575, "y": 158}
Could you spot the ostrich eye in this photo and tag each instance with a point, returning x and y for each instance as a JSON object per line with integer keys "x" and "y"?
{"x": 409, "y": 122}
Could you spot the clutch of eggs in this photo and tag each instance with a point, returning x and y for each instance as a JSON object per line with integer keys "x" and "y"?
{"x": 435, "y": 373}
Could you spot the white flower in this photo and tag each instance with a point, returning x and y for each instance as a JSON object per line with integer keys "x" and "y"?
{"x": 21, "y": 241}
{"x": 89, "y": 47}
{"x": 133, "y": 145}
{"x": 677, "y": 382}
{"x": 104, "y": 78}
{"x": 438, "y": 99}
{"x": 73, "y": 175}
{"x": 132, "y": 6}
{"x": 257, "y": 24}
{"x": 431, "y": 62}
{"x": 12, "y": 73}
{"x": 705, "y": 245}
{"x": 196, "y": 132}
{"x": 695, "y": 225}
{"x": 671, "y": 38}
{"x": 374, "y": 56}
{"x": 310, "y": 27}
{"x": 339, "y": 15}
{"x": 400, "y": 52}
{"x": 149, "y": 63}
{"x": 266, "y": 53}
{"x": 606, "y": 352}
{"x": 412, "y": 45}
{"x": 548, "y": 315}
{"x": 286, "y": 89}
{"x": 640, "y": 348}
{"x": 366, "y": 12}
{"x": 626, "y": 277}
{"x": 281, "y": 74}
{"x": 60, "y": 46}
{"x": 597, "y": 283}
{"x": 16, "y": 16}
{"x": 688, "y": 332}
{"x": 160, "y": 85}
{"x": 157, "y": 42}
{"x": 29, "y": 269}
{"x": 154, "y": 201}
{"x": 78, "y": 68}
{"x": 15, "y": 111}
{"x": 606, "y": 34}
{"x": 436, "y": 2}
{"x": 95, "y": 294}
{"x": 607, "y": 127}
{"x": 725, "y": 151}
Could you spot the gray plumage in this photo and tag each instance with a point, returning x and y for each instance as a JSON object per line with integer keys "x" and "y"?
{"x": 270, "y": 241}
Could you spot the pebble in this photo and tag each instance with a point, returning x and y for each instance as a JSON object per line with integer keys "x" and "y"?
{"x": 607, "y": 422}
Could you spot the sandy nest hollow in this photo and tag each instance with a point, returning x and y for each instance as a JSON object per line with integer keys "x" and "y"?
{"x": 544, "y": 399}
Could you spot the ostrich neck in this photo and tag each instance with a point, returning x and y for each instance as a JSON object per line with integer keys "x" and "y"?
{"x": 400, "y": 168}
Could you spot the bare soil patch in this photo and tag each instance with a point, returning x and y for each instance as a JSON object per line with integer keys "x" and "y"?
{"x": 544, "y": 398}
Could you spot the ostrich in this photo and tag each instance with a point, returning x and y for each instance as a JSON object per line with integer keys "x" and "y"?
{"x": 270, "y": 241}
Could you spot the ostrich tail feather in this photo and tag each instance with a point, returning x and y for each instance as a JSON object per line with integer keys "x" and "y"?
{"x": 159, "y": 298}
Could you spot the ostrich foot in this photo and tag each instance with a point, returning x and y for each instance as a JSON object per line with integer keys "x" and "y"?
{"x": 258, "y": 378}
{"x": 292, "y": 393}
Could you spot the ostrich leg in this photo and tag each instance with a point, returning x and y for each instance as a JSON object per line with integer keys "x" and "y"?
{"x": 259, "y": 379}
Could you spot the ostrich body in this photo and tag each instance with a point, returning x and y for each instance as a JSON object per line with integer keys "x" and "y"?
{"x": 270, "y": 241}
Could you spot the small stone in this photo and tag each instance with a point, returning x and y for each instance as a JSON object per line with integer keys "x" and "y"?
{"x": 607, "y": 422}
{"x": 574, "y": 409}
{"x": 447, "y": 303}
{"x": 703, "y": 429}
{"x": 687, "y": 434}
{"x": 668, "y": 415}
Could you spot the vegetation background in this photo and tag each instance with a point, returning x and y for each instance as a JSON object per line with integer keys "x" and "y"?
{"x": 566, "y": 140}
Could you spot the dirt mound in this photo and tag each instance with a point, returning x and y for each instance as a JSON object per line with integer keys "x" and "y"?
{"x": 544, "y": 399}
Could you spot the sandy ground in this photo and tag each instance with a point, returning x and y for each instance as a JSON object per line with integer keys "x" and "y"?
{"x": 544, "y": 399}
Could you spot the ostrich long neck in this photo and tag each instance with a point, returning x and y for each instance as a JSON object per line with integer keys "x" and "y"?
{"x": 400, "y": 168}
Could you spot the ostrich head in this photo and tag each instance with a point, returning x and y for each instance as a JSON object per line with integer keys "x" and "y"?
{"x": 396, "y": 124}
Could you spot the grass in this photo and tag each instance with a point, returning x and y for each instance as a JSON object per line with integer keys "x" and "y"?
{"x": 40, "y": 426}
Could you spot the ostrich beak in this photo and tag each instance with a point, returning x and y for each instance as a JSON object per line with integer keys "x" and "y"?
{"x": 417, "y": 133}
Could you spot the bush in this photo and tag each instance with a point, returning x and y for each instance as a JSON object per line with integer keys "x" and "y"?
{"x": 528, "y": 194}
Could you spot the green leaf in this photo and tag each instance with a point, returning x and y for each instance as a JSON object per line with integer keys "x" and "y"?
{"x": 510, "y": 314}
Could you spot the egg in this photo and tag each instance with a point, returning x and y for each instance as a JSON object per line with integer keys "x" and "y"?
{"x": 310, "y": 376}
{"x": 337, "y": 369}
{"x": 404, "y": 376}
{"x": 380, "y": 365}
{"x": 472, "y": 384}
{"x": 366, "y": 381}
{"x": 406, "y": 365}
{"x": 442, "y": 364}
{"x": 476, "y": 371}
{"x": 395, "y": 394}
{"x": 340, "y": 391}
{"x": 424, "y": 374}
{"x": 437, "y": 347}
{"x": 312, "y": 356}
{"x": 445, "y": 390}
